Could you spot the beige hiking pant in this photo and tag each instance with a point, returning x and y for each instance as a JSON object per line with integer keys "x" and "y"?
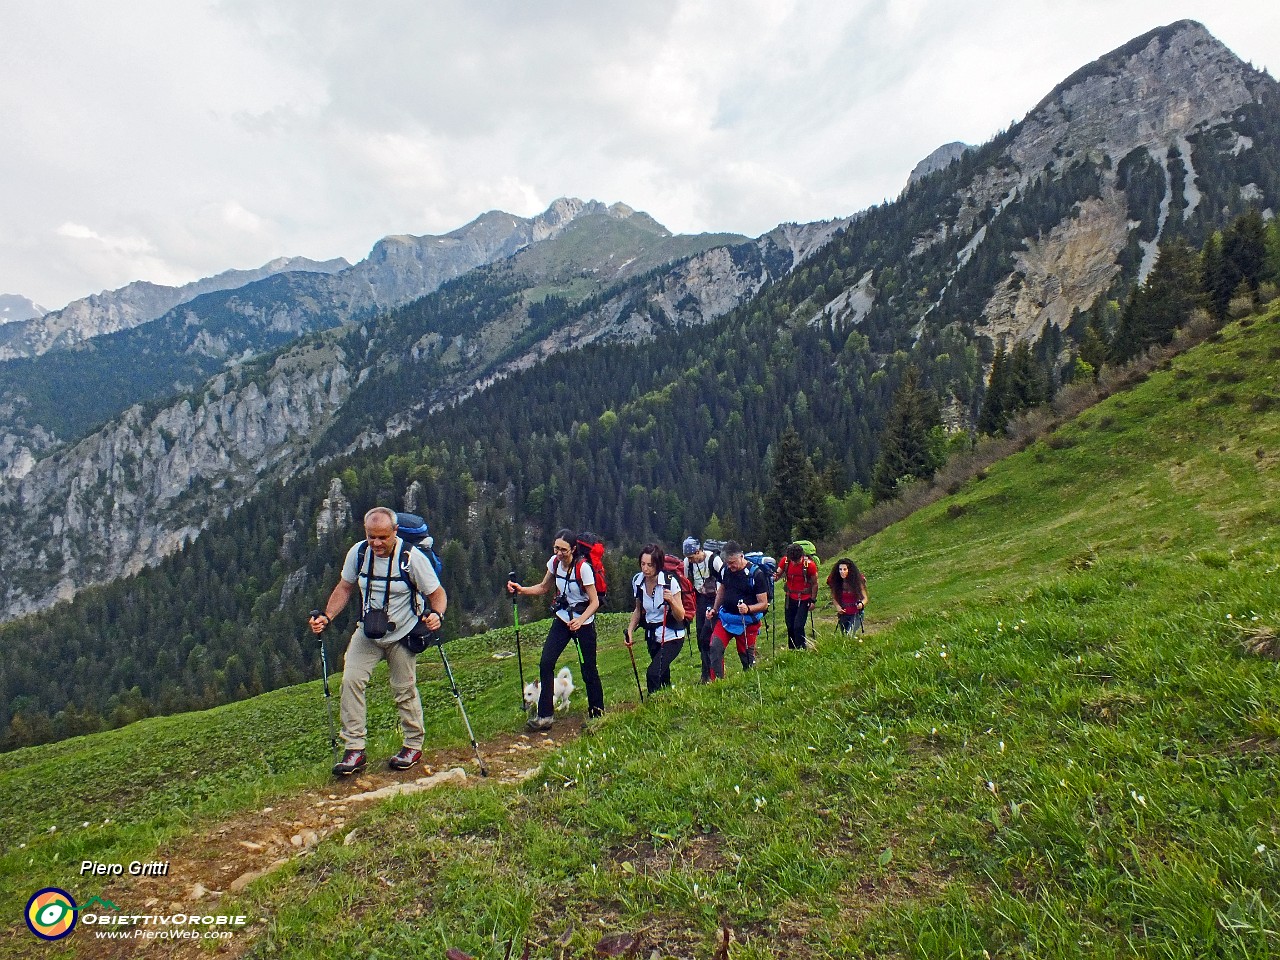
{"x": 357, "y": 667}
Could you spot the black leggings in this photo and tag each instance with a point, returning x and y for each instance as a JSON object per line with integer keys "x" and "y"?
{"x": 558, "y": 638}
{"x": 661, "y": 656}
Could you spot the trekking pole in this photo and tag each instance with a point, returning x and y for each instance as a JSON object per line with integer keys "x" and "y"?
{"x": 328, "y": 696}
{"x": 634, "y": 668}
{"x": 484, "y": 771}
{"x": 515, "y": 615}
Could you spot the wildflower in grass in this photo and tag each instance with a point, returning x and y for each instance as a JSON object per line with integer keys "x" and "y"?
{"x": 760, "y": 802}
{"x": 1260, "y": 848}
{"x": 1138, "y": 798}
{"x": 943, "y": 654}
{"x": 1002, "y": 746}
{"x": 991, "y": 786}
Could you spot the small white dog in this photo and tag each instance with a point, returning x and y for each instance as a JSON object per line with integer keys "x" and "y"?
{"x": 563, "y": 688}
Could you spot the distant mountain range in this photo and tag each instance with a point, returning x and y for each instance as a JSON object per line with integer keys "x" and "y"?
{"x": 131, "y": 305}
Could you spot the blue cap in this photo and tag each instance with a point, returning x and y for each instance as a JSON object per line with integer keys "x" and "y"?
{"x": 691, "y": 546}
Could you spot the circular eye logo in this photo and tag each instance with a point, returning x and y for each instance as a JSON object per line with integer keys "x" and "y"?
{"x": 51, "y": 913}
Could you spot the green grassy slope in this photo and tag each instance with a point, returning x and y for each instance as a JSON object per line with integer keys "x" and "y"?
{"x": 1057, "y": 745}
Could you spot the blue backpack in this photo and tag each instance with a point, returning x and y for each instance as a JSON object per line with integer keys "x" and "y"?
{"x": 413, "y": 531}
{"x": 757, "y": 560}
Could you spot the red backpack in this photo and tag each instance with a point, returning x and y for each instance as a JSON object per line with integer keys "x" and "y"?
{"x": 595, "y": 555}
{"x": 798, "y": 584}
{"x": 674, "y": 567}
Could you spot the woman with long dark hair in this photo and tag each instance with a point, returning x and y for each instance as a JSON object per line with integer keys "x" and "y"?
{"x": 658, "y": 604}
{"x": 849, "y": 593}
{"x": 571, "y": 579}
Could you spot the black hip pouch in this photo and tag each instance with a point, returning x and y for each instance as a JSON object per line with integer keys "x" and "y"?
{"x": 377, "y": 625}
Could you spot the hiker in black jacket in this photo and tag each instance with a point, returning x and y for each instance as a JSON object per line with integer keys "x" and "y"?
{"x": 741, "y": 601}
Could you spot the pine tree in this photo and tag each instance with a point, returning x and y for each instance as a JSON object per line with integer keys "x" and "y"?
{"x": 906, "y": 450}
{"x": 1244, "y": 250}
{"x": 1215, "y": 280}
{"x": 791, "y": 493}
{"x": 1171, "y": 291}
{"x": 1271, "y": 273}
{"x": 992, "y": 418}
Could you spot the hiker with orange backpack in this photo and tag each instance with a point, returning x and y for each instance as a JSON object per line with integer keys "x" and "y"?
{"x": 571, "y": 575}
{"x": 801, "y": 574}
{"x": 660, "y": 605}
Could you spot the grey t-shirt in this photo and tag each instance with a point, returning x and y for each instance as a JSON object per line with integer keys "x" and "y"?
{"x": 399, "y": 603}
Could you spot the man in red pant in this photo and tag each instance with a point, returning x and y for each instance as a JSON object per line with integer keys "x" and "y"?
{"x": 742, "y": 598}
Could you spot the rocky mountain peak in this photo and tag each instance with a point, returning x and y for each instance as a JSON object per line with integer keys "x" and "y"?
{"x": 940, "y": 159}
{"x": 1147, "y": 92}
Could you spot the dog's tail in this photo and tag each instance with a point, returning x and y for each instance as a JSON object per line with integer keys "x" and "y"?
{"x": 565, "y": 673}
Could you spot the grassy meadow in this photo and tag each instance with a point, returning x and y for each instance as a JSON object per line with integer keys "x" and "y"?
{"x": 1060, "y": 739}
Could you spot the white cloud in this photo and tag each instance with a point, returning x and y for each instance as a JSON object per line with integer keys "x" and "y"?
{"x": 193, "y": 138}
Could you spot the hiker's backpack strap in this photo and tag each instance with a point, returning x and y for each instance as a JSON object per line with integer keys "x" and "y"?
{"x": 406, "y": 574}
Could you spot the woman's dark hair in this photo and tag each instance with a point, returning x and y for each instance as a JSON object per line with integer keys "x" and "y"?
{"x": 795, "y": 553}
{"x": 567, "y": 535}
{"x": 655, "y": 551}
{"x": 834, "y": 576}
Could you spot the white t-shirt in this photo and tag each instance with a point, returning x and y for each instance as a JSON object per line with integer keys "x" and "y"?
{"x": 566, "y": 584}
{"x": 705, "y": 575}
{"x": 399, "y": 602}
{"x": 654, "y": 604}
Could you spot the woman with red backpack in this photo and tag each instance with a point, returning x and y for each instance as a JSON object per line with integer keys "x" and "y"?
{"x": 801, "y": 574}
{"x": 849, "y": 593}
{"x": 571, "y": 577}
{"x": 659, "y": 602}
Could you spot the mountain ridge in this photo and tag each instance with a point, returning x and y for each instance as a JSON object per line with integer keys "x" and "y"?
{"x": 984, "y": 249}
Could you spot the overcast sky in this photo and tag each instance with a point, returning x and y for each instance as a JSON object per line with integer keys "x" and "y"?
{"x": 168, "y": 140}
